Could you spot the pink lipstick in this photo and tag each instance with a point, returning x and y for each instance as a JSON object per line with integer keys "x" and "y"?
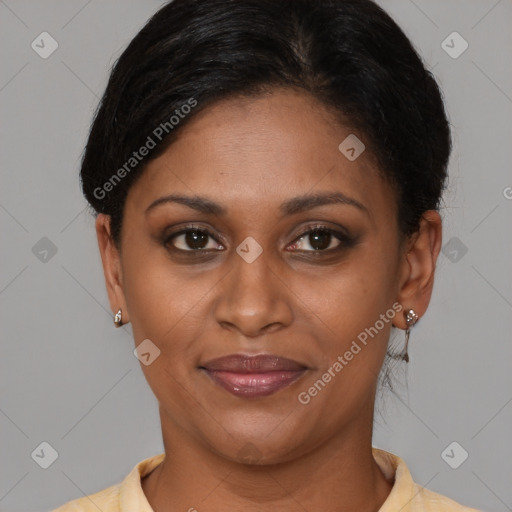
{"x": 253, "y": 376}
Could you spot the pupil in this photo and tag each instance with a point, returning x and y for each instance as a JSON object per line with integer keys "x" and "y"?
{"x": 196, "y": 239}
{"x": 320, "y": 239}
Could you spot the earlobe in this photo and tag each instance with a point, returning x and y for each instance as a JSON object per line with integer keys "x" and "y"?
{"x": 419, "y": 266}
{"x": 112, "y": 271}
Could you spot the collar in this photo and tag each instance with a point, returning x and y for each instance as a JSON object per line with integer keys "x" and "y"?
{"x": 404, "y": 496}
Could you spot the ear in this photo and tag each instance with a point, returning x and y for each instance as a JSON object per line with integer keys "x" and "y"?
{"x": 111, "y": 260}
{"x": 418, "y": 268}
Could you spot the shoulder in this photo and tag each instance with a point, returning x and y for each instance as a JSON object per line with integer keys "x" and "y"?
{"x": 106, "y": 500}
{"x": 408, "y": 496}
{"x": 125, "y": 496}
{"x": 430, "y": 501}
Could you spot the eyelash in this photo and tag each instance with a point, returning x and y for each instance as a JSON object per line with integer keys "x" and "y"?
{"x": 344, "y": 239}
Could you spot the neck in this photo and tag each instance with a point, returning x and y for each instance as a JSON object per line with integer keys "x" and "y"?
{"x": 339, "y": 476}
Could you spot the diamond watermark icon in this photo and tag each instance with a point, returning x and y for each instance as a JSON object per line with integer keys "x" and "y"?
{"x": 249, "y": 454}
{"x": 454, "y": 45}
{"x": 454, "y": 249}
{"x": 44, "y": 250}
{"x": 146, "y": 352}
{"x": 454, "y": 455}
{"x": 249, "y": 249}
{"x": 44, "y": 45}
{"x": 351, "y": 147}
{"x": 45, "y": 455}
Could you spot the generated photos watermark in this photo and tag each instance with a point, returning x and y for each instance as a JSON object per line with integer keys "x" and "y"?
{"x": 157, "y": 135}
{"x": 305, "y": 397}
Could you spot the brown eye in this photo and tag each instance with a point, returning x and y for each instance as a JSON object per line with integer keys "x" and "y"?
{"x": 320, "y": 238}
{"x": 192, "y": 239}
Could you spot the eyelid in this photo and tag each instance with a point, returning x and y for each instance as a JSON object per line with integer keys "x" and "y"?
{"x": 318, "y": 227}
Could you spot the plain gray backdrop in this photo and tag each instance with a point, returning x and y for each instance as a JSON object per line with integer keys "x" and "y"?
{"x": 70, "y": 379}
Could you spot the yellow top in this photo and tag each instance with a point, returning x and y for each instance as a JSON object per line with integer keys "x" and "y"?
{"x": 405, "y": 496}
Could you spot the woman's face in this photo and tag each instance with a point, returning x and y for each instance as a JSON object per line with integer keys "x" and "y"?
{"x": 253, "y": 285}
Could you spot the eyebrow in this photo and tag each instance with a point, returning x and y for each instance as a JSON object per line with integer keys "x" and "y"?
{"x": 289, "y": 207}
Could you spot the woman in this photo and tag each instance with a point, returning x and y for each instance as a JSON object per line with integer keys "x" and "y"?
{"x": 266, "y": 176}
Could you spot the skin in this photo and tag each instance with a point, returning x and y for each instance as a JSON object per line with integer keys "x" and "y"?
{"x": 250, "y": 155}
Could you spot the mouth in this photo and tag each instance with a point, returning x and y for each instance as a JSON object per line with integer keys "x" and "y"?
{"x": 253, "y": 376}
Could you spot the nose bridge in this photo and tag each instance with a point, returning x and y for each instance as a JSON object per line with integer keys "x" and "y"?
{"x": 252, "y": 295}
{"x": 252, "y": 272}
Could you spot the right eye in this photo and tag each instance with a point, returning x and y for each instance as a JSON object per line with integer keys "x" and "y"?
{"x": 192, "y": 239}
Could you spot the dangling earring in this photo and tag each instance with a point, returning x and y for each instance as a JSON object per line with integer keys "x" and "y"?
{"x": 411, "y": 317}
{"x": 118, "y": 322}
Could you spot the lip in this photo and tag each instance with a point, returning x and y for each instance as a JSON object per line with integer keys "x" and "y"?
{"x": 253, "y": 376}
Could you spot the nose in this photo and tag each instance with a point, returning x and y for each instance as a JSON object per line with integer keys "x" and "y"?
{"x": 253, "y": 298}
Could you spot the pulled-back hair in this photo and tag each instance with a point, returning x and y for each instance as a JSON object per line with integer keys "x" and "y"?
{"x": 348, "y": 54}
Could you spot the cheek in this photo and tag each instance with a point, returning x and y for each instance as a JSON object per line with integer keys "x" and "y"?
{"x": 355, "y": 296}
{"x": 354, "y": 308}
{"x": 167, "y": 308}
{"x": 355, "y": 312}
{"x": 163, "y": 299}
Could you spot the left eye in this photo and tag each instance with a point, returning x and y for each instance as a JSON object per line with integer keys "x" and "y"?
{"x": 319, "y": 238}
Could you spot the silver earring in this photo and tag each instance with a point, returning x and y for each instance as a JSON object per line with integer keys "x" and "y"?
{"x": 118, "y": 321}
{"x": 411, "y": 317}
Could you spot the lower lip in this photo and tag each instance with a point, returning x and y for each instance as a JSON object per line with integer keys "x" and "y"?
{"x": 254, "y": 384}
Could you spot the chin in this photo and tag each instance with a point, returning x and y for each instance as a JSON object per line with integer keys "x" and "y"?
{"x": 259, "y": 438}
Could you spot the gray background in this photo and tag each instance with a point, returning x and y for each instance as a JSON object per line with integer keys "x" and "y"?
{"x": 70, "y": 378}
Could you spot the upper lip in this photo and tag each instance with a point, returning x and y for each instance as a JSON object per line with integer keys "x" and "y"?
{"x": 260, "y": 363}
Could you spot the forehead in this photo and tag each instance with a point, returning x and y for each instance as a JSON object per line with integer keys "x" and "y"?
{"x": 257, "y": 152}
